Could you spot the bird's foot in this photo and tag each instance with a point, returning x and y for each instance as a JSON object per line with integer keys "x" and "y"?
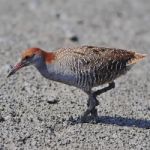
{"x": 79, "y": 120}
{"x": 83, "y": 118}
{"x": 94, "y": 116}
{"x": 86, "y": 118}
{"x": 89, "y": 119}
{"x": 94, "y": 112}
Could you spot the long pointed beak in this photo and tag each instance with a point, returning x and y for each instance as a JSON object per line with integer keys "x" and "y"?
{"x": 17, "y": 67}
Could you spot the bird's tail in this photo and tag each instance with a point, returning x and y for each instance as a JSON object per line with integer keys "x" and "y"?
{"x": 136, "y": 58}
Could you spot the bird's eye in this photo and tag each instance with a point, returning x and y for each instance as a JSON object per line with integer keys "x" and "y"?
{"x": 27, "y": 57}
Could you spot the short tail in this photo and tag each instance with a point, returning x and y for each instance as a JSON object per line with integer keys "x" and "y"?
{"x": 136, "y": 58}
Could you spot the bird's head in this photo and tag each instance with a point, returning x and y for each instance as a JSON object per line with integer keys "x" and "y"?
{"x": 31, "y": 56}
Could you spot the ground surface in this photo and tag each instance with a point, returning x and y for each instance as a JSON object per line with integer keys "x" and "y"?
{"x": 28, "y": 121}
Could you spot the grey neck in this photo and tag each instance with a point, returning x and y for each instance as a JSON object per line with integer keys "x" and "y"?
{"x": 42, "y": 68}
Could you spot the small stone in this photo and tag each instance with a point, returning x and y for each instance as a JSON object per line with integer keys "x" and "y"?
{"x": 74, "y": 38}
{"x": 2, "y": 119}
{"x": 55, "y": 101}
{"x": 58, "y": 15}
{"x": 80, "y": 22}
{"x": 7, "y": 117}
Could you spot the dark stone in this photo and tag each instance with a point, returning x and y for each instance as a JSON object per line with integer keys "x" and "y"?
{"x": 58, "y": 15}
{"x": 55, "y": 101}
{"x": 80, "y": 22}
{"x": 74, "y": 38}
{"x": 2, "y": 119}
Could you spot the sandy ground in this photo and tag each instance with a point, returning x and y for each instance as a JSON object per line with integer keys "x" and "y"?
{"x": 28, "y": 121}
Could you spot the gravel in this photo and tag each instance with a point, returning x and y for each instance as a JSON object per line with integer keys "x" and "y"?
{"x": 39, "y": 114}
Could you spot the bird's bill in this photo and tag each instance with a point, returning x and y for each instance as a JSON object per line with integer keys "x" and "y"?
{"x": 17, "y": 67}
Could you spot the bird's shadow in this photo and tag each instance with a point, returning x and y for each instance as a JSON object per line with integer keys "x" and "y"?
{"x": 116, "y": 120}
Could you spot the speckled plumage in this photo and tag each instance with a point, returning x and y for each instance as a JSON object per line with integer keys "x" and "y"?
{"x": 87, "y": 66}
{"x": 84, "y": 67}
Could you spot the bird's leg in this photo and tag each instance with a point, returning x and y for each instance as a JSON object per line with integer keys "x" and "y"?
{"x": 93, "y": 102}
{"x": 94, "y": 110}
{"x": 98, "y": 92}
{"x": 91, "y": 107}
{"x": 111, "y": 86}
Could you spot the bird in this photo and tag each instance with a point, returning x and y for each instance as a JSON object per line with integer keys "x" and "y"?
{"x": 83, "y": 67}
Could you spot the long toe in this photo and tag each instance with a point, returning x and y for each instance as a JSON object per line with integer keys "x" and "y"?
{"x": 83, "y": 119}
{"x": 85, "y": 114}
{"x": 94, "y": 112}
{"x": 95, "y": 120}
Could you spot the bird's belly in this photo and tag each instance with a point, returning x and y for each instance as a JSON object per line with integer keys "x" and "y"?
{"x": 59, "y": 75}
{"x": 63, "y": 78}
{"x": 82, "y": 79}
